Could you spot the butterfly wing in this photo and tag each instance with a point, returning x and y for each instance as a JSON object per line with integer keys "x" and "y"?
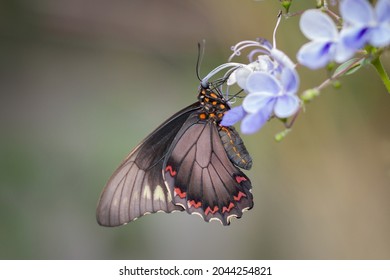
{"x": 137, "y": 187}
{"x": 201, "y": 177}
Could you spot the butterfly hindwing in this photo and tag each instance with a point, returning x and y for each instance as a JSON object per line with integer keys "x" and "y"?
{"x": 200, "y": 175}
{"x": 137, "y": 186}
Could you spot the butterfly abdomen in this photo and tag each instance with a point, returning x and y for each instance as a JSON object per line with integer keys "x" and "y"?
{"x": 234, "y": 147}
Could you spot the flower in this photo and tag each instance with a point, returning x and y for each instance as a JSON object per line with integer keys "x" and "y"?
{"x": 241, "y": 74}
{"x": 321, "y": 29}
{"x": 268, "y": 95}
{"x": 269, "y": 80}
{"x": 364, "y": 24}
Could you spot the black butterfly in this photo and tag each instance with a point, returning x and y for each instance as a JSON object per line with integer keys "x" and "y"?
{"x": 190, "y": 162}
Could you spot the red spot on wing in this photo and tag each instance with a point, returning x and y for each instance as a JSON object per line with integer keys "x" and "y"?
{"x": 239, "y": 179}
{"x": 194, "y": 204}
{"x": 208, "y": 210}
{"x": 239, "y": 196}
{"x": 180, "y": 193}
{"x": 227, "y": 209}
{"x": 171, "y": 171}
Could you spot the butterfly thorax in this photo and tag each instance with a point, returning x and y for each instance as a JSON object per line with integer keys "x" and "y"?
{"x": 213, "y": 105}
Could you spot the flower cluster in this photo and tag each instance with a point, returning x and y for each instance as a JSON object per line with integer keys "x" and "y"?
{"x": 362, "y": 24}
{"x": 270, "y": 81}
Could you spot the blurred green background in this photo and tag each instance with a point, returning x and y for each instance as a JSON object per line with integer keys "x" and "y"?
{"x": 83, "y": 81}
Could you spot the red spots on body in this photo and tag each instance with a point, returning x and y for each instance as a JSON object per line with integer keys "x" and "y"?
{"x": 239, "y": 196}
{"x": 208, "y": 210}
{"x": 180, "y": 193}
{"x": 227, "y": 209}
{"x": 194, "y": 204}
{"x": 171, "y": 171}
{"x": 239, "y": 179}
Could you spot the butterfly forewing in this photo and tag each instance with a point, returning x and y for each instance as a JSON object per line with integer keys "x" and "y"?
{"x": 137, "y": 187}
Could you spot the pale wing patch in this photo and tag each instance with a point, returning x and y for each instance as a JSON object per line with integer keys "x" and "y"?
{"x": 147, "y": 193}
{"x": 159, "y": 194}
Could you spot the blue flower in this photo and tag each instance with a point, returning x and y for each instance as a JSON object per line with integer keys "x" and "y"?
{"x": 323, "y": 48}
{"x": 364, "y": 24}
{"x": 271, "y": 61}
{"x": 268, "y": 95}
{"x": 269, "y": 80}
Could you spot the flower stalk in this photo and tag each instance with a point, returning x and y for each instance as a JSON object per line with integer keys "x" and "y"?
{"x": 381, "y": 72}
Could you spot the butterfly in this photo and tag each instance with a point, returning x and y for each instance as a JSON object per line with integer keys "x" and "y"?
{"x": 189, "y": 163}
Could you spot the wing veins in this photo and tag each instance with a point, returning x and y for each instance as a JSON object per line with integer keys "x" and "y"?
{"x": 116, "y": 188}
{"x": 221, "y": 162}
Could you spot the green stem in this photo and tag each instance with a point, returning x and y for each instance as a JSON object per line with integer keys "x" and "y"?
{"x": 382, "y": 73}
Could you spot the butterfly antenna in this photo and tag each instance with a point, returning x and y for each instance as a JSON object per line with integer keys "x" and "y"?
{"x": 201, "y": 48}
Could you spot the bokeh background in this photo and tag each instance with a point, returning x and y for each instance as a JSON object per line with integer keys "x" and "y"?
{"x": 83, "y": 81}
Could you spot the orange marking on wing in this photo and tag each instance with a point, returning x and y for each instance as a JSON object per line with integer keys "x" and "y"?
{"x": 227, "y": 209}
{"x": 239, "y": 196}
{"x": 180, "y": 193}
{"x": 171, "y": 171}
{"x": 202, "y": 116}
{"x": 239, "y": 179}
{"x": 208, "y": 210}
{"x": 195, "y": 204}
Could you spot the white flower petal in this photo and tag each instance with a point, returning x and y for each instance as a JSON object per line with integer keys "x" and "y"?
{"x": 282, "y": 58}
{"x": 256, "y": 101}
{"x": 242, "y": 74}
{"x": 232, "y": 78}
{"x": 343, "y": 53}
{"x": 290, "y": 80}
{"x": 314, "y": 24}
{"x": 286, "y": 106}
{"x": 357, "y": 12}
{"x": 264, "y": 63}
{"x": 380, "y": 36}
{"x": 382, "y": 10}
{"x": 262, "y": 82}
